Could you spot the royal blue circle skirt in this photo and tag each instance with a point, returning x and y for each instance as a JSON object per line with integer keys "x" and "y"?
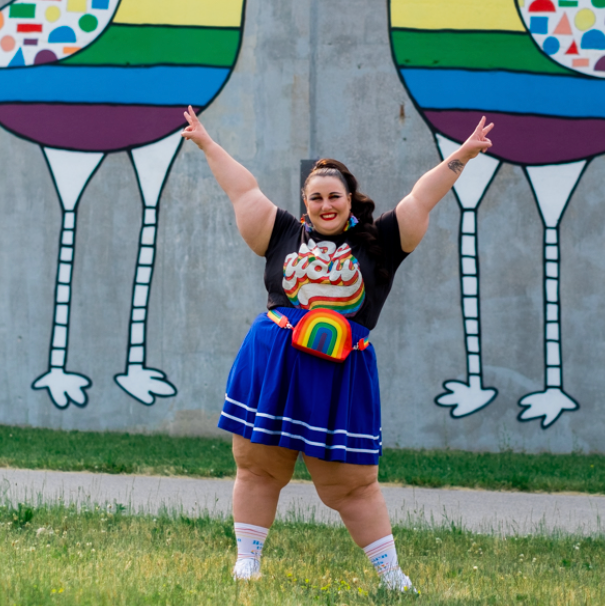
{"x": 280, "y": 396}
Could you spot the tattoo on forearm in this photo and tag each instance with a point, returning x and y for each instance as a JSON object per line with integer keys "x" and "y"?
{"x": 455, "y": 166}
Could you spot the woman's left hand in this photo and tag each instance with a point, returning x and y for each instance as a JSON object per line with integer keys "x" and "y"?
{"x": 478, "y": 141}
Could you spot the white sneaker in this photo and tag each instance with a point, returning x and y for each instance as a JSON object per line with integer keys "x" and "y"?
{"x": 246, "y": 569}
{"x": 395, "y": 580}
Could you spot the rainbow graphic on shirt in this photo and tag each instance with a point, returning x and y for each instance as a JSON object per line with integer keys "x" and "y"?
{"x": 325, "y": 332}
{"x": 322, "y": 276}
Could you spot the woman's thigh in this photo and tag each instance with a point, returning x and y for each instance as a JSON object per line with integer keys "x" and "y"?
{"x": 265, "y": 461}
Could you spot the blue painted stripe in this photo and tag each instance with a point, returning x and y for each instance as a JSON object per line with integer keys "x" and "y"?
{"x": 517, "y": 93}
{"x": 158, "y": 85}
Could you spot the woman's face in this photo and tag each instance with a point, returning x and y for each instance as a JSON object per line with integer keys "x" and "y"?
{"x": 328, "y": 205}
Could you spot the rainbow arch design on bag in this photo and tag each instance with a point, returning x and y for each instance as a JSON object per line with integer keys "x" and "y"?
{"x": 325, "y": 332}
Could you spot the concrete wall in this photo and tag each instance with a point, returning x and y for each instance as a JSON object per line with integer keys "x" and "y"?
{"x": 314, "y": 78}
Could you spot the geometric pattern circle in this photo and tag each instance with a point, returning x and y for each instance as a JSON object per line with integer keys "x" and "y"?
{"x": 45, "y": 32}
{"x": 570, "y": 32}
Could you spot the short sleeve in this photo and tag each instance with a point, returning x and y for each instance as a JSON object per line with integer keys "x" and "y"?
{"x": 284, "y": 227}
{"x": 390, "y": 239}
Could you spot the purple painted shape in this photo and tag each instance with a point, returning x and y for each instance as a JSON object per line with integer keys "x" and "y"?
{"x": 104, "y": 128}
{"x": 600, "y": 65}
{"x": 30, "y": 42}
{"x": 45, "y": 56}
{"x": 527, "y": 140}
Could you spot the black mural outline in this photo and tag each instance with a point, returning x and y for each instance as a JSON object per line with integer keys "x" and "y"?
{"x": 68, "y": 228}
{"x": 161, "y": 376}
{"x": 470, "y": 372}
{"x": 587, "y": 159}
{"x": 551, "y": 239}
{"x": 147, "y": 222}
{"x": 4, "y": 4}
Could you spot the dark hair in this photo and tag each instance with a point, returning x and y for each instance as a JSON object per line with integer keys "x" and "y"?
{"x": 365, "y": 233}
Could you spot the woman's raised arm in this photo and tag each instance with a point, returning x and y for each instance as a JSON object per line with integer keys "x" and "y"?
{"x": 254, "y": 212}
{"x": 413, "y": 211}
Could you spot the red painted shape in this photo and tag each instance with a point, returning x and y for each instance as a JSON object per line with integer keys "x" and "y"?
{"x": 573, "y": 49}
{"x": 26, "y": 28}
{"x": 542, "y": 6}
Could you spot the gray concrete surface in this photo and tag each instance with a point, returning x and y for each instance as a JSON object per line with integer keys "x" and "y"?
{"x": 314, "y": 78}
{"x": 479, "y": 511}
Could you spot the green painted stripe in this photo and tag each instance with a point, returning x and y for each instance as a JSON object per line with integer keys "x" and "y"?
{"x": 150, "y": 45}
{"x": 22, "y": 11}
{"x": 471, "y": 50}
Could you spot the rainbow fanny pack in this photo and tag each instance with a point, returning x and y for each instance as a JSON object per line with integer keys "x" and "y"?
{"x": 321, "y": 332}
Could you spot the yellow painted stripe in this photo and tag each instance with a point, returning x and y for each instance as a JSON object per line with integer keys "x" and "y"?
{"x": 463, "y": 14}
{"x": 212, "y": 13}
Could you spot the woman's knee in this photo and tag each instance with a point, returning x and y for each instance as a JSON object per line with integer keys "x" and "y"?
{"x": 259, "y": 476}
{"x": 338, "y": 496}
{"x": 340, "y": 483}
{"x": 263, "y": 464}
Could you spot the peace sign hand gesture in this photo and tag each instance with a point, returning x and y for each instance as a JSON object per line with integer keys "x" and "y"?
{"x": 195, "y": 131}
{"x": 478, "y": 141}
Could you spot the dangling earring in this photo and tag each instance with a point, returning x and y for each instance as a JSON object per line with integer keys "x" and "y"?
{"x": 351, "y": 222}
{"x": 307, "y": 223}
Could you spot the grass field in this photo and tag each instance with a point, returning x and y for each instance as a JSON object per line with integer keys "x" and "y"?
{"x": 201, "y": 457}
{"x": 56, "y": 555}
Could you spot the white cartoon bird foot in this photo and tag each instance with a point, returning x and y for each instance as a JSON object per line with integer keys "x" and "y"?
{"x": 549, "y": 405}
{"x": 145, "y": 383}
{"x": 466, "y": 398}
{"x": 64, "y": 387}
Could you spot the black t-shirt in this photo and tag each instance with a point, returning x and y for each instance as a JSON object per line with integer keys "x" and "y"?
{"x": 310, "y": 271}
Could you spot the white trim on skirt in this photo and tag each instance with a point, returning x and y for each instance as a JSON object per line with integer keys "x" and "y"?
{"x": 312, "y": 427}
{"x": 295, "y": 437}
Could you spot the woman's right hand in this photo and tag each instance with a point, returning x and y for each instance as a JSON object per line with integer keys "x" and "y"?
{"x": 195, "y": 131}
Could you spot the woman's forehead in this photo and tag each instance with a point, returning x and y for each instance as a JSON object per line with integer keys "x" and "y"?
{"x": 323, "y": 183}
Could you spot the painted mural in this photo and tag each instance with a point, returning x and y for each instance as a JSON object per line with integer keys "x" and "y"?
{"x": 534, "y": 67}
{"x": 84, "y": 78}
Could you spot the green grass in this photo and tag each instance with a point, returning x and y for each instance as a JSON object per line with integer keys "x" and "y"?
{"x": 29, "y": 448}
{"x": 58, "y": 555}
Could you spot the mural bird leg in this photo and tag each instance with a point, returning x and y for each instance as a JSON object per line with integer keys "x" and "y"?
{"x": 553, "y": 187}
{"x": 152, "y": 164}
{"x": 468, "y": 397}
{"x": 71, "y": 173}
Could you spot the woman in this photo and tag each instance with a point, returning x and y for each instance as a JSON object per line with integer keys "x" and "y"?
{"x": 281, "y": 401}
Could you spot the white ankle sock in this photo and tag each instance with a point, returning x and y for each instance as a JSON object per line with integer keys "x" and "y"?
{"x": 382, "y": 554}
{"x": 250, "y": 541}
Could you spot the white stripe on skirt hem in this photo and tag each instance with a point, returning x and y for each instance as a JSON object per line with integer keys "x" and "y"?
{"x": 290, "y": 435}
{"x": 311, "y": 427}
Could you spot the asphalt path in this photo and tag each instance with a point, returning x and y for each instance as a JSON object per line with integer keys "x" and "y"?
{"x": 477, "y": 510}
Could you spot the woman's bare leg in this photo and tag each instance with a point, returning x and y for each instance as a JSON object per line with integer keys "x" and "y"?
{"x": 262, "y": 471}
{"x": 353, "y": 491}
